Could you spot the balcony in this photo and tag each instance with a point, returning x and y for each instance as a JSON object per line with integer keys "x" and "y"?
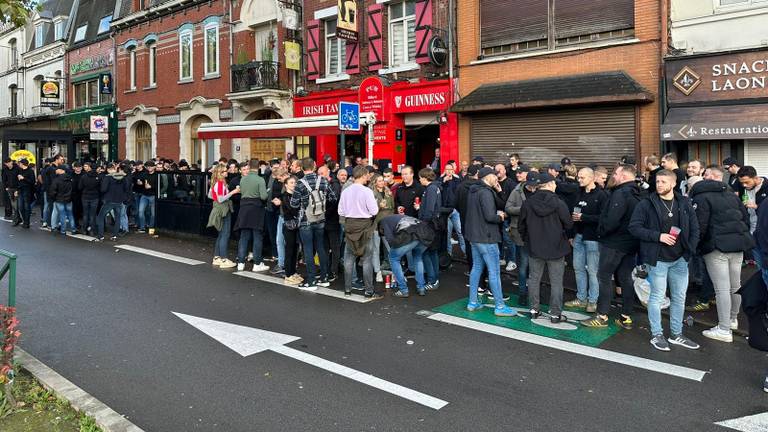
{"x": 255, "y": 75}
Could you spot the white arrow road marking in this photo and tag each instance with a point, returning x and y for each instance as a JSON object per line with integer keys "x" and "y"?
{"x": 157, "y": 254}
{"x": 611, "y": 356}
{"x": 247, "y": 341}
{"x": 753, "y": 423}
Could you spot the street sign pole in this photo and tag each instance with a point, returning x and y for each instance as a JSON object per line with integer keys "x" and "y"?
{"x": 342, "y": 151}
{"x": 349, "y": 119}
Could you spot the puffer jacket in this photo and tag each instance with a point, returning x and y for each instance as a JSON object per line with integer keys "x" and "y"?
{"x": 723, "y": 219}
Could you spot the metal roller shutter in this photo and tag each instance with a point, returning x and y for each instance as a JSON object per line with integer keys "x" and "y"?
{"x": 586, "y": 135}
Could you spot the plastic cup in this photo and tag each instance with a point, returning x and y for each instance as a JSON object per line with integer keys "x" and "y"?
{"x": 674, "y": 232}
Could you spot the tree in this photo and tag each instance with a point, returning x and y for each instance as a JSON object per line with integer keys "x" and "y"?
{"x": 16, "y": 11}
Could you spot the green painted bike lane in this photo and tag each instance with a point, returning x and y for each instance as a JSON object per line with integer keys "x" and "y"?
{"x": 592, "y": 337}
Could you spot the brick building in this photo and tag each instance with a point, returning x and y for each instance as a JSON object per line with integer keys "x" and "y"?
{"x": 554, "y": 79}
{"x": 174, "y": 67}
{"x": 397, "y": 68}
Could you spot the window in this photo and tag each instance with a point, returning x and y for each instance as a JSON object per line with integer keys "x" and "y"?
{"x": 58, "y": 28}
{"x": 81, "y": 95}
{"x": 402, "y": 31}
{"x": 80, "y": 33}
{"x": 86, "y": 94}
{"x": 14, "y": 53}
{"x": 335, "y": 50}
{"x": 185, "y": 55}
{"x": 38, "y": 35}
{"x": 132, "y": 69}
{"x": 152, "y": 64}
{"x": 740, "y": 2}
{"x": 302, "y": 147}
{"x": 266, "y": 44}
{"x": 93, "y": 93}
{"x": 14, "y": 109}
{"x": 212, "y": 49}
{"x": 104, "y": 24}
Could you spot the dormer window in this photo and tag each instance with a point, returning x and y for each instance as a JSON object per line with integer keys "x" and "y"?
{"x": 104, "y": 24}
{"x": 80, "y": 33}
{"x": 58, "y": 27}
{"x": 39, "y": 35}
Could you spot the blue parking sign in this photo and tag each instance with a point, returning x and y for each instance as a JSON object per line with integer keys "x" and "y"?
{"x": 349, "y": 116}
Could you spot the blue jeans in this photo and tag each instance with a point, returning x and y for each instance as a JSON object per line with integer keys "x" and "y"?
{"x": 47, "y": 209}
{"x": 144, "y": 202}
{"x": 431, "y": 265}
{"x": 396, "y": 255}
{"x": 454, "y": 224}
{"x": 89, "y": 212}
{"x": 242, "y": 245}
{"x": 25, "y": 206}
{"x": 676, "y": 275}
{"x": 105, "y": 209}
{"x": 586, "y": 258}
{"x": 757, "y": 255}
{"x": 123, "y": 218}
{"x": 522, "y": 270}
{"x": 312, "y": 241}
{"x": 65, "y": 214}
{"x": 508, "y": 250}
{"x": 280, "y": 240}
{"x": 485, "y": 255}
{"x": 222, "y": 240}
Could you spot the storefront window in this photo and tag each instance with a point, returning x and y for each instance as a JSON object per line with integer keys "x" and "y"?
{"x": 185, "y": 55}
{"x": 302, "y": 147}
{"x": 402, "y": 33}
{"x": 335, "y": 50}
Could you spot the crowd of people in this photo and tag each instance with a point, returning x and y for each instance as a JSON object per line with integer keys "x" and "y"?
{"x": 690, "y": 231}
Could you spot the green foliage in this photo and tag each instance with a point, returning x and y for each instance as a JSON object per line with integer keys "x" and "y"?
{"x": 16, "y": 11}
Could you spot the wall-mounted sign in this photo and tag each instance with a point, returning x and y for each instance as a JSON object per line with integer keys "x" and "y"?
{"x": 290, "y": 19}
{"x": 105, "y": 84}
{"x": 717, "y": 78}
{"x": 438, "y": 51}
{"x": 371, "y": 95}
{"x": 420, "y": 99}
{"x": 89, "y": 64}
{"x": 50, "y": 92}
{"x": 292, "y": 55}
{"x": 346, "y": 23}
{"x": 99, "y": 127}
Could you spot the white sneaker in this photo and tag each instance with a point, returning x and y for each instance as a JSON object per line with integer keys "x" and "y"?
{"x": 260, "y": 267}
{"x": 511, "y": 266}
{"x": 379, "y": 277}
{"x": 240, "y": 266}
{"x": 735, "y": 324}
{"x": 717, "y": 333}
{"x": 216, "y": 261}
{"x": 250, "y": 257}
{"x": 454, "y": 242}
{"x": 227, "y": 264}
{"x": 502, "y": 263}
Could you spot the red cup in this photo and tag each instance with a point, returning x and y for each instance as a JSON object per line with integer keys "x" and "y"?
{"x": 417, "y": 201}
{"x": 674, "y": 232}
{"x": 401, "y": 210}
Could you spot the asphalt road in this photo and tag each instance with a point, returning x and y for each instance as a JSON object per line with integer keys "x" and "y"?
{"x": 103, "y": 319}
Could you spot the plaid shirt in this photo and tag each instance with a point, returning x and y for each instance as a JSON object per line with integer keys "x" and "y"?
{"x": 300, "y": 197}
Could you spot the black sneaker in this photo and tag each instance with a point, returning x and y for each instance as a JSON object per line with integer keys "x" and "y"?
{"x": 113, "y": 238}
{"x": 489, "y": 295}
{"x": 534, "y": 314}
{"x": 409, "y": 274}
{"x": 331, "y": 277}
{"x": 358, "y": 286}
{"x": 660, "y": 343}
{"x": 308, "y": 286}
{"x": 323, "y": 282}
{"x": 141, "y": 231}
{"x": 556, "y": 319}
{"x": 276, "y": 270}
{"x": 683, "y": 342}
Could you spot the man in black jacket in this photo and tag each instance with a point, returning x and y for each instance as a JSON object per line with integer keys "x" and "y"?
{"x": 26, "y": 178}
{"x": 617, "y": 248}
{"x": 544, "y": 220}
{"x": 89, "y": 191}
{"x": 10, "y": 189}
{"x": 483, "y": 222}
{"x": 586, "y": 249}
{"x": 407, "y": 193}
{"x": 724, "y": 227}
{"x": 115, "y": 189}
{"x": 60, "y": 191}
{"x": 666, "y": 225}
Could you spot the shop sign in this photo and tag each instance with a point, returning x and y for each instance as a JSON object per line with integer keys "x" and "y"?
{"x": 77, "y": 123}
{"x": 438, "y": 51}
{"x": 49, "y": 93}
{"x": 346, "y": 20}
{"x": 714, "y": 131}
{"x": 420, "y": 99}
{"x": 718, "y": 78}
{"x": 317, "y": 109}
{"x": 89, "y": 64}
{"x": 371, "y": 95}
{"x": 381, "y": 132}
{"x": 290, "y": 19}
{"x": 105, "y": 84}
{"x": 23, "y": 154}
{"x": 99, "y": 127}
{"x": 292, "y": 55}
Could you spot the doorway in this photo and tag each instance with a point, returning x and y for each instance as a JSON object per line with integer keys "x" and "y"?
{"x": 421, "y": 142}
{"x": 265, "y": 150}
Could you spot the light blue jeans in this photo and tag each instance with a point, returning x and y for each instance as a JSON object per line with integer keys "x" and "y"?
{"x": 586, "y": 258}
{"x": 396, "y": 255}
{"x": 676, "y": 275}
{"x": 485, "y": 255}
{"x": 280, "y": 240}
{"x": 454, "y": 224}
{"x": 124, "y": 218}
{"x": 64, "y": 211}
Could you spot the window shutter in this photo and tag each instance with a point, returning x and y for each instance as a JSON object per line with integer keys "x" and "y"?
{"x": 313, "y": 50}
{"x": 375, "y": 41}
{"x": 423, "y": 29}
{"x": 507, "y": 22}
{"x": 352, "y": 58}
{"x": 578, "y": 18}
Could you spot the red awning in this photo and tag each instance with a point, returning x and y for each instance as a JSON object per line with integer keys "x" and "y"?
{"x": 280, "y": 128}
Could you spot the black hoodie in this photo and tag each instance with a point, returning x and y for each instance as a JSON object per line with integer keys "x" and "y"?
{"x": 723, "y": 219}
{"x": 482, "y": 225}
{"x": 61, "y": 188}
{"x": 613, "y": 229}
{"x": 89, "y": 186}
{"x": 544, "y": 220}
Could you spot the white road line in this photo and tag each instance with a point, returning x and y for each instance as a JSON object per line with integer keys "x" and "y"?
{"x": 82, "y": 237}
{"x": 753, "y": 423}
{"x": 611, "y": 356}
{"x": 320, "y": 290}
{"x": 362, "y": 377}
{"x": 157, "y": 254}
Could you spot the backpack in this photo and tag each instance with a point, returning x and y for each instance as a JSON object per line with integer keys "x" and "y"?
{"x": 315, "y": 211}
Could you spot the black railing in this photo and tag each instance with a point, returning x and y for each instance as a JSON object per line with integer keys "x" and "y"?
{"x": 255, "y": 75}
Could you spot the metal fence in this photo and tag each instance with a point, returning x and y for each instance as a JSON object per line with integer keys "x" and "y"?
{"x": 9, "y": 268}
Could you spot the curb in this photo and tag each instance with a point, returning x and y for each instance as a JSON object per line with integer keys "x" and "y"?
{"x": 106, "y": 418}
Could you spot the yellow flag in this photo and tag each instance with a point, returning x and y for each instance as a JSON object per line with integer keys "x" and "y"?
{"x": 292, "y": 55}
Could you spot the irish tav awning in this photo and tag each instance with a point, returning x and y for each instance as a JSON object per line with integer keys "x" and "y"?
{"x": 720, "y": 122}
{"x": 589, "y": 89}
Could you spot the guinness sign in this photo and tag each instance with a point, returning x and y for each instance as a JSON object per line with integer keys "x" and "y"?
{"x": 438, "y": 51}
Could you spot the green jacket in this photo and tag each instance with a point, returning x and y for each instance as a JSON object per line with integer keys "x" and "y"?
{"x": 253, "y": 186}
{"x": 218, "y": 213}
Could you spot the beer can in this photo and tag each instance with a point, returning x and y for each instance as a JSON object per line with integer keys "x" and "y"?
{"x": 388, "y": 281}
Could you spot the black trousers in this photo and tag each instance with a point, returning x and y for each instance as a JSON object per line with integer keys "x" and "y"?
{"x": 8, "y": 200}
{"x": 291, "y": 251}
{"x": 622, "y": 263}
{"x": 333, "y": 242}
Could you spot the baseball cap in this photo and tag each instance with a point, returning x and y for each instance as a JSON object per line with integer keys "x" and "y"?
{"x": 485, "y": 171}
{"x": 565, "y": 161}
{"x": 555, "y": 166}
{"x": 523, "y": 168}
{"x": 727, "y": 162}
{"x": 628, "y": 160}
{"x": 532, "y": 179}
{"x": 544, "y": 178}
{"x": 478, "y": 159}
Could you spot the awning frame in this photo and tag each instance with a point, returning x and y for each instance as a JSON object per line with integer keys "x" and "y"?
{"x": 280, "y": 128}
